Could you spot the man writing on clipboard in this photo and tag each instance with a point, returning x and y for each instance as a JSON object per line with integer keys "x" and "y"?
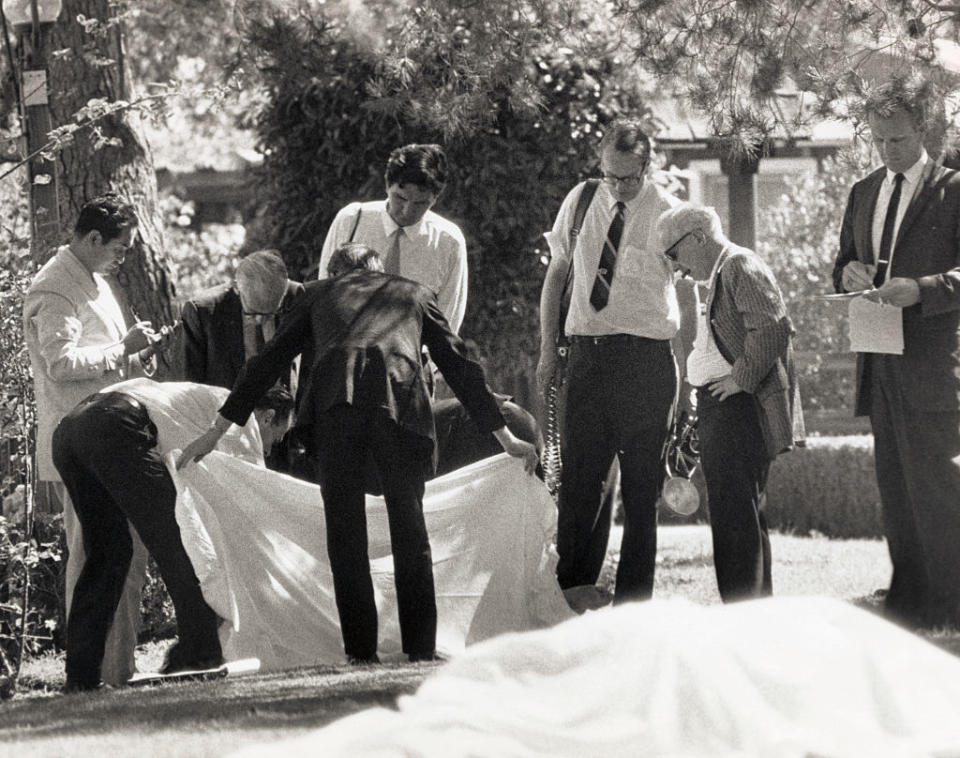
{"x": 900, "y": 245}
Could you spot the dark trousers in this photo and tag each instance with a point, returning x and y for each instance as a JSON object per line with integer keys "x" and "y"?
{"x": 105, "y": 451}
{"x": 617, "y": 400}
{"x": 345, "y": 438}
{"x": 917, "y": 455}
{"x": 735, "y": 467}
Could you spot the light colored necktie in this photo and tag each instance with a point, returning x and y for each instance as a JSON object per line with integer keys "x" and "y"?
{"x": 391, "y": 261}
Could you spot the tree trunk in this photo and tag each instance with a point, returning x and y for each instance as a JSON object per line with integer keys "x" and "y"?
{"x": 85, "y": 64}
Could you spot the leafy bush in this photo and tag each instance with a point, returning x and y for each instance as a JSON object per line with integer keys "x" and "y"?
{"x": 198, "y": 258}
{"x": 37, "y": 556}
{"x": 326, "y": 140}
{"x": 799, "y": 238}
{"x": 828, "y": 487}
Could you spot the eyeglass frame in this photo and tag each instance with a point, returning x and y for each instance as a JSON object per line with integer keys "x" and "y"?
{"x": 628, "y": 181}
{"x": 671, "y": 252}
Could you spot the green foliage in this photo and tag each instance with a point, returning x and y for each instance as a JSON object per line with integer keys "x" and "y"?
{"x": 734, "y": 61}
{"x": 799, "y": 239}
{"x": 198, "y": 258}
{"x": 34, "y": 556}
{"x": 329, "y": 126}
{"x": 828, "y": 487}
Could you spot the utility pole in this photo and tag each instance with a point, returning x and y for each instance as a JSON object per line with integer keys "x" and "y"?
{"x": 32, "y": 20}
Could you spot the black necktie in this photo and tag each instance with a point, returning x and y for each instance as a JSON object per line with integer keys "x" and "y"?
{"x": 608, "y": 261}
{"x": 886, "y": 239}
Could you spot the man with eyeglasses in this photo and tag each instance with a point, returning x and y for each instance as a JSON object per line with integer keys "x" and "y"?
{"x": 226, "y": 325}
{"x": 621, "y": 375}
{"x": 747, "y": 399}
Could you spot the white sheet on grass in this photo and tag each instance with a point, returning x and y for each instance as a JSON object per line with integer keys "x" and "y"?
{"x": 258, "y": 544}
{"x": 776, "y": 678}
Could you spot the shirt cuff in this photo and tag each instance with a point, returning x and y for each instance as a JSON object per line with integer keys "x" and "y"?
{"x": 113, "y": 357}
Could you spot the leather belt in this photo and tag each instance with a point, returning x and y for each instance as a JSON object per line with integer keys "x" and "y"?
{"x": 608, "y": 339}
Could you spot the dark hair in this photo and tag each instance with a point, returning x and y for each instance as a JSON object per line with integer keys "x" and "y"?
{"x": 422, "y": 165}
{"x": 912, "y": 93}
{"x": 277, "y": 399}
{"x": 108, "y": 214}
{"x": 351, "y": 256}
{"x": 626, "y": 135}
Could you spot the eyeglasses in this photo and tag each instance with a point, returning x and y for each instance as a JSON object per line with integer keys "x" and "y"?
{"x": 671, "y": 252}
{"x": 258, "y": 313}
{"x": 628, "y": 181}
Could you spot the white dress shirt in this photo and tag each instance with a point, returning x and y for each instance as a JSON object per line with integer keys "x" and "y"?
{"x": 432, "y": 252}
{"x": 643, "y": 300}
{"x": 912, "y": 178}
{"x": 705, "y": 362}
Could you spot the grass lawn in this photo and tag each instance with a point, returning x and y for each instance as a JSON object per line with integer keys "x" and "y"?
{"x": 214, "y": 718}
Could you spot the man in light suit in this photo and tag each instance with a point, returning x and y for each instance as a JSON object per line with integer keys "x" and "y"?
{"x": 900, "y": 245}
{"x": 748, "y": 403}
{"x": 79, "y": 343}
{"x": 367, "y": 397}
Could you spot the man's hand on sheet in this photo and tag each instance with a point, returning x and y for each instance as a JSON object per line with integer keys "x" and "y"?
{"x": 518, "y": 448}
{"x": 205, "y": 443}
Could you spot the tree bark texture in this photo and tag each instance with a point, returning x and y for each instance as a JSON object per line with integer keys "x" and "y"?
{"x": 85, "y": 64}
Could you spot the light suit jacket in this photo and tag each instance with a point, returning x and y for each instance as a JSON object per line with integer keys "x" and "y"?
{"x": 752, "y": 330}
{"x": 73, "y": 328}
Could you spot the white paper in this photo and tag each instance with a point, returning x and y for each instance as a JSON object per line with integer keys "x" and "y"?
{"x": 875, "y": 327}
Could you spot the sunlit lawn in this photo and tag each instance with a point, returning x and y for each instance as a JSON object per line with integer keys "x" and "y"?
{"x": 214, "y": 718}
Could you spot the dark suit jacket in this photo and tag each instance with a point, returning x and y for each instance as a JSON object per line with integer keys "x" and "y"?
{"x": 753, "y": 332}
{"x": 213, "y": 333}
{"x": 366, "y": 330}
{"x": 927, "y": 249}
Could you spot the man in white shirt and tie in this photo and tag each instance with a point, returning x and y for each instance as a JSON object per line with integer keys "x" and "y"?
{"x": 621, "y": 375}
{"x": 413, "y": 241}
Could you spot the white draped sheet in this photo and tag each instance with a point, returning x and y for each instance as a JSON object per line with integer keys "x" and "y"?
{"x": 258, "y": 544}
{"x": 774, "y": 678}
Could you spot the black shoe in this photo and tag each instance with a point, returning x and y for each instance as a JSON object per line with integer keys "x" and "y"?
{"x": 363, "y": 660}
{"x": 179, "y": 658}
{"x": 431, "y": 657}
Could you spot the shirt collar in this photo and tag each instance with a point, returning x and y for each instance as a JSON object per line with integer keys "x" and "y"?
{"x": 84, "y": 276}
{"x": 635, "y": 202}
{"x": 912, "y": 175}
{"x": 390, "y": 226}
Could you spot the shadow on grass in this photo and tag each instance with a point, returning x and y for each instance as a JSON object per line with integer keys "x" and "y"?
{"x": 945, "y": 639}
{"x": 303, "y": 697}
